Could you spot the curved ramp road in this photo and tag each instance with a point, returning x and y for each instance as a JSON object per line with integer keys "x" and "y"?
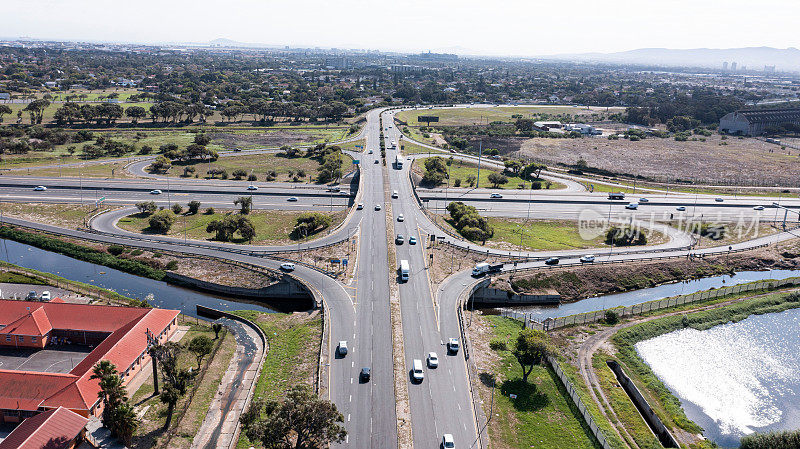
{"x": 359, "y": 312}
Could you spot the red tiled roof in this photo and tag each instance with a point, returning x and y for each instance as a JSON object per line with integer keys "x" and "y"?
{"x": 57, "y": 300}
{"x": 53, "y": 429}
{"x": 127, "y": 340}
{"x": 35, "y": 322}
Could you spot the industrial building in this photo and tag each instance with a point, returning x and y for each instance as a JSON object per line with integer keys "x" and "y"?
{"x": 755, "y": 122}
{"x": 120, "y": 335}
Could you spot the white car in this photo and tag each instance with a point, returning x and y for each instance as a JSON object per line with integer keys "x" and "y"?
{"x": 155, "y": 192}
{"x": 292, "y": 198}
{"x": 287, "y": 266}
{"x": 400, "y": 217}
{"x": 252, "y": 187}
{"x": 360, "y": 206}
{"x": 632, "y": 206}
{"x": 452, "y": 345}
{"x": 758, "y": 208}
{"x": 370, "y": 152}
{"x": 40, "y": 188}
{"x": 377, "y": 207}
{"x": 448, "y": 442}
{"x": 495, "y": 195}
{"x": 342, "y": 348}
{"x": 589, "y": 258}
{"x": 46, "y": 295}
{"x": 681, "y": 208}
{"x": 433, "y": 360}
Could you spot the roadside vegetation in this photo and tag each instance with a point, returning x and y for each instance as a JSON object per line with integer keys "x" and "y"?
{"x": 292, "y": 357}
{"x": 439, "y": 170}
{"x": 527, "y": 420}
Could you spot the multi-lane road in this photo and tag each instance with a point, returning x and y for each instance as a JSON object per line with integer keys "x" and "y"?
{"x": 359, "y": 311}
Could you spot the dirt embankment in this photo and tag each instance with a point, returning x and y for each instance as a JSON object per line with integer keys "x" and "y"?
{"x": 582, "y": 282}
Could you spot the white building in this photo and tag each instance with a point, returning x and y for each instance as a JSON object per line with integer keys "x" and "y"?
{"x": 755, "y": 122}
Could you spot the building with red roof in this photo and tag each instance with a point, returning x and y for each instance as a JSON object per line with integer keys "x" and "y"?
{"x": 118, "y": 334}
{"x": 58, "y": 428}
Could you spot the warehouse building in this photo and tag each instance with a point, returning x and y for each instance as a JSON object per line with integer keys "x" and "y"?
{"x": 755, "y": 122}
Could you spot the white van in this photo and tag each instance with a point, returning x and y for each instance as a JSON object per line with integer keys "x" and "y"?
{"x": 416, "y": 373}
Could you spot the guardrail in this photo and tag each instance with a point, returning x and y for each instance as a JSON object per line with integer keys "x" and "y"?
{"x": 470, "y": 365}
{"x": 647, "y": 307}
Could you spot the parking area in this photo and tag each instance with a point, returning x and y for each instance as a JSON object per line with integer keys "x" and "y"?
{"x": 59, "y": 359}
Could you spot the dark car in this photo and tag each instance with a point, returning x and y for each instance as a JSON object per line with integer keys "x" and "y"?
{"x": 364, "y": 376}
{"x": 551, "y": 261}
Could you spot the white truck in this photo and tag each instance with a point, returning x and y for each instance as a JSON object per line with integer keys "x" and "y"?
{"x": 398, "y": 162}
{"x": 405, "y": 270}
{"x": 484, "y": 268}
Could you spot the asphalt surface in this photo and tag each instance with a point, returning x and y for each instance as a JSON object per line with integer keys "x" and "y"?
{"x": 359, "y": 313}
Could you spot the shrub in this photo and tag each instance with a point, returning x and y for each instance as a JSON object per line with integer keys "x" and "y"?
{"x": 210, "y": 211}
{"x": 498, "y": 345}
{"x": 162, "y": 221}
{"x": 137, "y": 252}
{"x": 171, "y": 265}
{"x": 115, "y": 250}
{"x": 457, "y": 182}
{"x": 177, "y": 208}
{"x": 194, "y": 207}
{"x": 146, "y": 207}
{"x": 239, "y": 174}
{"x": 611, "y": 317}
{"x": 793, "y": 297}
{"x": 252, "y": 178}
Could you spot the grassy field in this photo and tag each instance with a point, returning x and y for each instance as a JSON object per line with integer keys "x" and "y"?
{"x": 460, "y": 170}
{"x": 64, "y": 215}
{"x": 539, "y": 235}
{"x": 293, "y": 355}
{"x": 486, "y": 115}
{"x": 110, "y": 170}
{"x": 151, "y": 433}
{"x": 272, "y": 227}
{"x": 542, "y": 416}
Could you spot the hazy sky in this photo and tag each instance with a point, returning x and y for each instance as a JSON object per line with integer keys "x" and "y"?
{"x": 510, "y": 27}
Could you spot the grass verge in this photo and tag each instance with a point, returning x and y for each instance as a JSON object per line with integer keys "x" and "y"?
{"x": 292, "y": 353}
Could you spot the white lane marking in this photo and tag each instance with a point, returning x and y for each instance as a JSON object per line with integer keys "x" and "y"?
{"x": 352, "y": 364}
{"x": 459, "y": 406}
{"x": 347, "y": 438}
{"x": 348, "y": 417}
{"x": 351, "y": 398}
{"x": 351, "y": 381}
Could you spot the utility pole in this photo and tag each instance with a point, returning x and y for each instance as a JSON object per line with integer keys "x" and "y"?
{"x": 169, "y": 202}
{"x": 480, "y": 153}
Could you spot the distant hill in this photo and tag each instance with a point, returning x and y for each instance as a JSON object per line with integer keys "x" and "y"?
{"x": 754, "y": 58}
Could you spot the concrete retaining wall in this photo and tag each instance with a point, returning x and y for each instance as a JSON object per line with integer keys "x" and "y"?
{"x": 483, "y": 294}
{"x": 286, "y": 288}
{"x": 650, "y": 417}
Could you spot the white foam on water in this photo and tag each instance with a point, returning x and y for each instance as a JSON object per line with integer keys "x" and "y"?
{"x": 735, "y": 373}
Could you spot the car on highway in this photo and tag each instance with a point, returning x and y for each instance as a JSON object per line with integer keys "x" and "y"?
{"x": 40, "y": 188}
{"x": 417, "y": 374}
{"x": 341, "y": 348}
{"x": 252, "y": 187}
{"x": 719, "y": 200}
{"x": 412, "y": 240}
{"x": 632, "y": 206}
{"x": 681, "y": 208}
{"x": 377, "y": 207}
{"x": 433, "y": 360}
{"x": 495, "y": 195}
{"x": 333, "y": 189}
{"x": 452, "y": 346}
{"x": 552, "y": 261}
{"x": 155, "y": 192}
{"x": 448, "y": 442}
{"x": 364, "y": 375}
{"x": 376, "y": 161}
{"x": 400, "y": 217}
{"x": 370, "y": 152}
{"x": 395, "y": 194}
{"x": 644, "y": 200}
{"x": 237, "y": 150}
{"x": 589, "y": 258}
{"x": 758, "y": 208}
{"x": 287, "y": 266}
{"x": 292, "y": 198}
{"x": 399, "y": 239}
{"x": 360, "y": 206}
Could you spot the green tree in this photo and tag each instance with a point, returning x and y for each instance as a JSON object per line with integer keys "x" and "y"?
{"x": 4, "y": 109}
{"x": 161, "y": 164}
{"x": 146, "y": 207}
{"x": 497, "y": 179}
{"x": 435, "y": 171}
{"x": 135, "y": 113}
{"x": 200, "y": 346}
{"x": 162, "y": 221}
{"x": 177, "y": 209}
{"x": 239, "y": 174}
{"x": 216, "y": 327}
{"x": 194, "y": 207}
{"x": 245, "y": 204}
{"x": 531, "y": 348}
{"x": 300, "y": 420}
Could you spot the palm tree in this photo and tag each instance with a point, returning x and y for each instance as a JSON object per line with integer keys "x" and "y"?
{"x": 126, "y": 422}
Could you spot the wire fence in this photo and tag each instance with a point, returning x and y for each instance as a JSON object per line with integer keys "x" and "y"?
{"x": 647, "y": 307}
{"x": 573, "y": 395}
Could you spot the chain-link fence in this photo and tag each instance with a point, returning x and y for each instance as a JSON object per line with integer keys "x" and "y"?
{"x": 642, "y": 308}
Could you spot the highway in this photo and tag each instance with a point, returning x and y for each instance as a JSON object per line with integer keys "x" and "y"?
{"x": 359, "y": 311}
